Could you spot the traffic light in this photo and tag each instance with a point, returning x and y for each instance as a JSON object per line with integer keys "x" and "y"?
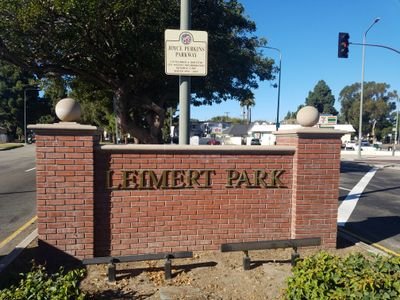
{"x": 343, "y": 45}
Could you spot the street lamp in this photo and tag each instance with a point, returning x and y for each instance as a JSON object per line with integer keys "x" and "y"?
{"x": 362, "y": 85}
{"x": 279, "y": 84}
{"x": 25, "y": 90}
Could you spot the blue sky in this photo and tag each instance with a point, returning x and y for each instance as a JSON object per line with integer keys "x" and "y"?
{"x": 306, "y": 32}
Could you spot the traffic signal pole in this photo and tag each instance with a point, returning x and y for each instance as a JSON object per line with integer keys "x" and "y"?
{"x": 343, "y": 44}
{"x": 376, "y": 45}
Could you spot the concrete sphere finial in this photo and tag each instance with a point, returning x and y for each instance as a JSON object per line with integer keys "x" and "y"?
{"x": 68, "y": 110}
{"x": 308, "y": 116}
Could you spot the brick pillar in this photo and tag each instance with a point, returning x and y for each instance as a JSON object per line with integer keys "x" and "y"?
{"x": 65, "y": 187}
{"x": 316, "y": 173}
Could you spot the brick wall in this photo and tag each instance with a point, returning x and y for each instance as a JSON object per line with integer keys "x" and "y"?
{"x": 154, "y": 220}
{"x": 316, "y": 183}
{"x": 92, "y": 200}
{"x": 64, "y": 187}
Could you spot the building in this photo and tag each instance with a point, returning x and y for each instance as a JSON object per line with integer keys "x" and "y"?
{"x": 265, "y": 131}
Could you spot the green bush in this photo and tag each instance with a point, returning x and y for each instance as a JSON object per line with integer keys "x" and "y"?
{"x": 39, "y": 285}
{"x": 325, "y": 276}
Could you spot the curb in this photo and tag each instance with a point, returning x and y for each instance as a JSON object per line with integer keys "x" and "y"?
{"x": 7, "y": 260}
{"x": 365, "y": 244}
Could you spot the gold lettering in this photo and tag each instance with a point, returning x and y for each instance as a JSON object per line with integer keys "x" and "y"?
{"x": 109, "y": 180}
{"x": 193, "y": 178}
{"x": 207, "y": 179}
{"x": 180, "y": 179}
{"x": 275, "y": 180}
{"x": 260, "y": 175}
{"x": 243, "y": 178}
{"x": 177, "y": 179}
{"x": 231, "y": 176}
{"x": 127, "y": 177}
{"x": 161, "y": 182}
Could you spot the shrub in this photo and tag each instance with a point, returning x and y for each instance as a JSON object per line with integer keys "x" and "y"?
{"x": 38, "y": 284}
{"x": 326, "y": 276}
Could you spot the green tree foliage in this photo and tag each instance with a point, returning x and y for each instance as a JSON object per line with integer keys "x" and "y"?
{"x": 97, "y": 109}
{"x": 14, "y": 83}
{"x": 227, "y": 119}
{"x": 322, "y": 99}
{"x": 117, "y": 46}
{"x": 378, "y": 105}
{"x": 290, "y": 117}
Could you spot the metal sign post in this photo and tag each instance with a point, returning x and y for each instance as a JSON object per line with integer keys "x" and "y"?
{"x": 184, "y": 82}
{"x": 186, "y": 56}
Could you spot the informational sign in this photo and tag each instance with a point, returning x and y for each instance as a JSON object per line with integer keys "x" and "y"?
{"x": 327, "y": 120}
{"x": 186, "y": 52}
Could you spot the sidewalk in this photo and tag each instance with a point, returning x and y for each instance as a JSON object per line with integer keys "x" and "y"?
{"x": 380, "y": 158}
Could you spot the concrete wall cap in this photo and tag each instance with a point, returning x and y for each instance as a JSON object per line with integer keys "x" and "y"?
{"x": 63, "y": 126}
{"x": 311, "y": 132}
{"x": 206, "y": 149}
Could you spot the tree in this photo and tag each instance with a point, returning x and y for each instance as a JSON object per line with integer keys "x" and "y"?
{"x": 248, "y": 103}
{"x": 117, "y": 46}
{"x": 378, "y": 105}
{"x": 322, "y": 99}
{"x": 290, "y": 117}
{"x": 14, "y": 85}
{"x": 226, "y": 119}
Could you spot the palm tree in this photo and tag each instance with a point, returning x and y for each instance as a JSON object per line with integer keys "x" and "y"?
{"x": 248, "y": 103}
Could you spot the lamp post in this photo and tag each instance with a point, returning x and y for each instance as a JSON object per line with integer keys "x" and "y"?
{"x": 362, "y": 86}
{"x": 25, "y": 90}
{"x": 279, "y": 84}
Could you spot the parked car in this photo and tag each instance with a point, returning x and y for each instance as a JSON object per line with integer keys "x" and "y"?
{"x": 213, "y": 142}
{"x": 388, "y": 147}
{"x": 353, "y": 145}
{"x": 255, "y": 142}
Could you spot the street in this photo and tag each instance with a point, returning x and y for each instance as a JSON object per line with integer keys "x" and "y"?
{"x": 376, "y": 217}
{"x": 17, "y": 193}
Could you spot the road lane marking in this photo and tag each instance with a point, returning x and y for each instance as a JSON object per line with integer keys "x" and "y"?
{"x": 30, "y": 169}
{"x": 18, "y": 231}
{"x": 348, "y": 205}
{"x": 344, "y": 189}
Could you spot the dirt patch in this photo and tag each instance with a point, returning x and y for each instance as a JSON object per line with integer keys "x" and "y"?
{"x": 208, "y": 275}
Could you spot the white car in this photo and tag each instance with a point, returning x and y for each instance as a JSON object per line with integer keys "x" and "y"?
{"x": 353, "y": 145}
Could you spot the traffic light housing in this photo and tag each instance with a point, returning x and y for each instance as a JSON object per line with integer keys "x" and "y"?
{"x": 343, "y": 45}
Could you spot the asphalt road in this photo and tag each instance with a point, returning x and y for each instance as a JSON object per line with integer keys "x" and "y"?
{"x": 376, "y": 218}
{"x": 17, "y": 191}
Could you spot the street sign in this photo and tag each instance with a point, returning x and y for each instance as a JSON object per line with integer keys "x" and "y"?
{"x": 186, "y": 52}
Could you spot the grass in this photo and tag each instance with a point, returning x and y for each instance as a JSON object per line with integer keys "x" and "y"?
{"x": 9, "y": 146}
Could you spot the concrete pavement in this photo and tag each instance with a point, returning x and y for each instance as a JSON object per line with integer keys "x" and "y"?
{"x": 378, "y": 158}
